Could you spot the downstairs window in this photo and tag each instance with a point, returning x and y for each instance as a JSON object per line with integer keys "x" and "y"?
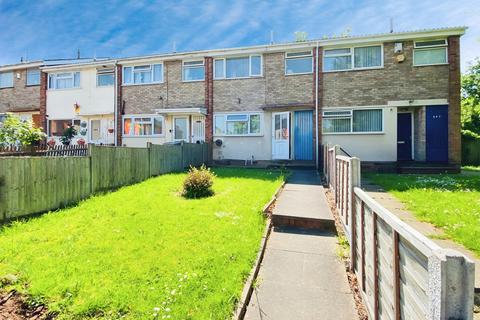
{"x": 353, "y": 121}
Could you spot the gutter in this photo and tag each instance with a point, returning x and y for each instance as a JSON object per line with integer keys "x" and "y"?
{"x": 316, "y": 109}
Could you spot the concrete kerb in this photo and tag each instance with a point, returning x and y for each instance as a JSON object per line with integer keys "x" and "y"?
{"x": 247, "y": 291}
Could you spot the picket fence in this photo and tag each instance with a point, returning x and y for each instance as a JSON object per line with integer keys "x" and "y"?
{"x": 30, "y": 185}
{"x": 401, "y": 273}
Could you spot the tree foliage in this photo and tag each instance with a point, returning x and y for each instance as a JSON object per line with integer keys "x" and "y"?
{"x": 14, "y": 131}
{"x": 471, "y": 100}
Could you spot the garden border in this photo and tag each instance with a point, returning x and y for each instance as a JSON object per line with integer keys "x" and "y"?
{"x": 247, "y": 291}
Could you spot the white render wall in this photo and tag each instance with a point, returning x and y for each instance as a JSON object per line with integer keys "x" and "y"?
{"x": 370, "y": 147}
{"x": 92, "y": 100}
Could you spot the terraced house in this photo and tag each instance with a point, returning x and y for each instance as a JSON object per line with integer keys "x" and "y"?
{"x": 386, "y": 98}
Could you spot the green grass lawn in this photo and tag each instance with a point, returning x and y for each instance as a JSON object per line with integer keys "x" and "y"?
{"x": 451, "y": 202}
{"x": 471, "y": 168}
{"x": 143, "y": 250}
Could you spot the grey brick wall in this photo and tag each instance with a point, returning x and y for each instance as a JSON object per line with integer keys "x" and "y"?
{"x": 396, "y": 81}
{"x": 173, "y": 93}
{"x": 21, "y": 96}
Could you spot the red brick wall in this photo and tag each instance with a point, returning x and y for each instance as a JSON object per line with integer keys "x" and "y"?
{"x": 119, "y": 106}
{"x": 43, "y": 101}
{"x": 209, "y": 99}
{"x": 454, "y": 127}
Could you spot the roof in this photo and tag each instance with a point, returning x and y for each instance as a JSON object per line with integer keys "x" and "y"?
{"x": 48, "y": 63}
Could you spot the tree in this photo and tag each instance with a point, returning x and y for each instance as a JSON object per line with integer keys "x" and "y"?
{"x": 471, "y": 100}
{"x": 14, "y": 131}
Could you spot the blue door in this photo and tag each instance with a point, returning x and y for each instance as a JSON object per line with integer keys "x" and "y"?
{"x": 404, "y": 137}
{"x": 437, "y": 133}
{"x": 303, "y": 135}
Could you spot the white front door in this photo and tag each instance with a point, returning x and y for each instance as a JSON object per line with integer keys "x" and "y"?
{"x": 198, "y": 129}
{"x": 95, "y": 133}
{"x": 180, "y": 129}
{"x": 281, "y": 135}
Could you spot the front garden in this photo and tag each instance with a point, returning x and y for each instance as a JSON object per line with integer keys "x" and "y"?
{"x": 448, "y": 201}
{"x": 142, "y": 252}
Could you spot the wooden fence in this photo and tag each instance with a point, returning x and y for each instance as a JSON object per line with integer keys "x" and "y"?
{"x": 31, "y": 185}
{"x": 44, "y": 150}
{"x": 401, "y": 273}
{"x": 470, "y": 151}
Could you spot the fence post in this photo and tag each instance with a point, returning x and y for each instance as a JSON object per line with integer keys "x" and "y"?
{"x": 450, "y": 285}
{"x": 149, "y": 148}
{"x": 183, "y": 156}
{"x": 91, "y": 147}
{"x": 336, "y": 150}
{"x": 355, "y": 181}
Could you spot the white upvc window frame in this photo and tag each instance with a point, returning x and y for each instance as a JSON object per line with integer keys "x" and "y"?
{"x": 151, "y": 67}
{"x": 12, "y": 77}
{"x": 248, "y": 114}
{"x": 297, "y": 57}
{"x": 193, "y": 66}
{"x": 224, "y": 62}
{"x": 75, "y": 122}
{"x": 151, "y": 122}
{"x": 350, "y": 116}
{"x": 106, "y": 71}
{"x": 426, "y": 48}
{"x": 54, "y": 77}
{"x": 352, "y": 57}
{"x": 28, "y": 74}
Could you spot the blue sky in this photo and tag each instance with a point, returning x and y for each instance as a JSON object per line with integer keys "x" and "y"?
{"x": 56, "y": 28}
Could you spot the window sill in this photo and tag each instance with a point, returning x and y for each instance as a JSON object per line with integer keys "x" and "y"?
{"x": 189, "y": 81}
{"x": 356, "y": 69}
{"x": 32, "y": 85}
{"x": 6, "y": 87}
{"x": 141, "y": 84}
{"x": 149, "y": 136}
{"x": 241, "y": 78}
{"x": 237, "y": 135}
{"x": 298, "y": 74}
{"x": 352, "y": 133}
{"x": 64, "y": 89}
{"x": 432, "y": 64}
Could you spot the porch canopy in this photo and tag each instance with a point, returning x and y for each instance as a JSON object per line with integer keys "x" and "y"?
{"x": 182, "y": 111}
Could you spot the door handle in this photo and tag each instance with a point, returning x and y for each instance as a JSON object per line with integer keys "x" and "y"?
{"x": 400, "y": 142}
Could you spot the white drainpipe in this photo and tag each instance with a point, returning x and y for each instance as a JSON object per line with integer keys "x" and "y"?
{"x": 316, "y": 110}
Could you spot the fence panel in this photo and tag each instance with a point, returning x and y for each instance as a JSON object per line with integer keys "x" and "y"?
{"x": 471, "y": 151}
{"x": 402, "y": 274}
{"x": 165, "y": 158}
{"x": 37, "y": 184}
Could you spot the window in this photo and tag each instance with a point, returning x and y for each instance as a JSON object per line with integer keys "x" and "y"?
{"x": 65, "y": 80}
{"x": 143, "y": 126}
{"x": 193, "y": 70}
{"x": 57, "y": 127}
{"x": 237, "y": 124}
{"x": 33, "y": 77}
{"x": 348, "y": 121}
{"x": 430, "y": 52}
{"x": 105, "y": 77}
{"x": 238, "y": 67}
{"x": 6, "y": 80}
{"x": 298, "y": 62}
{"x": 143, "y": 74}
{"x": 352, "y": 58}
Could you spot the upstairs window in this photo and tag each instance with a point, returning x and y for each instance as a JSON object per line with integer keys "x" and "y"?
{"x": 143, "y": 126}
{"x": 353, "y": 121}
{"x": 105, "y": 77}
{"x": 193, "y": 70}
{"x": 143, "y": 74}
{"x": 298, "y": 62}
{"x": 352, "y": 58}
{"x": 237, "y": 124}
{"x": 238, "y": 67}
{"x": 430, "y": 52}
{"x": 65, "y": 80}
{"x": 33, "y": 77}
{"x": 6, "y": 80}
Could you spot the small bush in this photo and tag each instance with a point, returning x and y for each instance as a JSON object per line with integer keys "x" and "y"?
{"x": 198, "y": 183}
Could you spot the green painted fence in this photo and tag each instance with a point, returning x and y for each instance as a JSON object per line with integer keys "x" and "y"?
{"x": 30, "y": 185}
{"x": 471, "y": 151}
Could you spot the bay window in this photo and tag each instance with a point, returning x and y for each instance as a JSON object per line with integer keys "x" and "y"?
{"x": 353, "y": 121}
{"x": 143, "y": 74}
{"x": 237, "y": 124}
{"x": 143, "y": 125}
{"x": 430, "y": 52}
{"x": 193, "y": 70}
{"x": 353, "y": 58}
{"x": 64, "y": 80}
{"x": 298, "y": 62}
{"x": 238, "y": 67}
{"x": 6, "y": 80}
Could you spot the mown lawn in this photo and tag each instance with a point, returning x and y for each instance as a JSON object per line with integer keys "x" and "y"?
{"x": 143, "y": 252}
{"x": 451, "y": 202}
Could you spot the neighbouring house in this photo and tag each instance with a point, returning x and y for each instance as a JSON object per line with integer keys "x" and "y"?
{"x": 385, "y": 98}
{"x": 81, "y": 95}
{"x": 20, "y": 91}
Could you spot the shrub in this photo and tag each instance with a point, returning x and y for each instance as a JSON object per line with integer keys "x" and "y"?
{"x": 198, "y": 183}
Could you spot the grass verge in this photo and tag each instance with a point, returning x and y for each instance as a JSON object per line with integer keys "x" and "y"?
{"x": 144, "y": 251}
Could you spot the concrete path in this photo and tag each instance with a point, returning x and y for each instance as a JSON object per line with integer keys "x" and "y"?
{"x": 301, "y": 276}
